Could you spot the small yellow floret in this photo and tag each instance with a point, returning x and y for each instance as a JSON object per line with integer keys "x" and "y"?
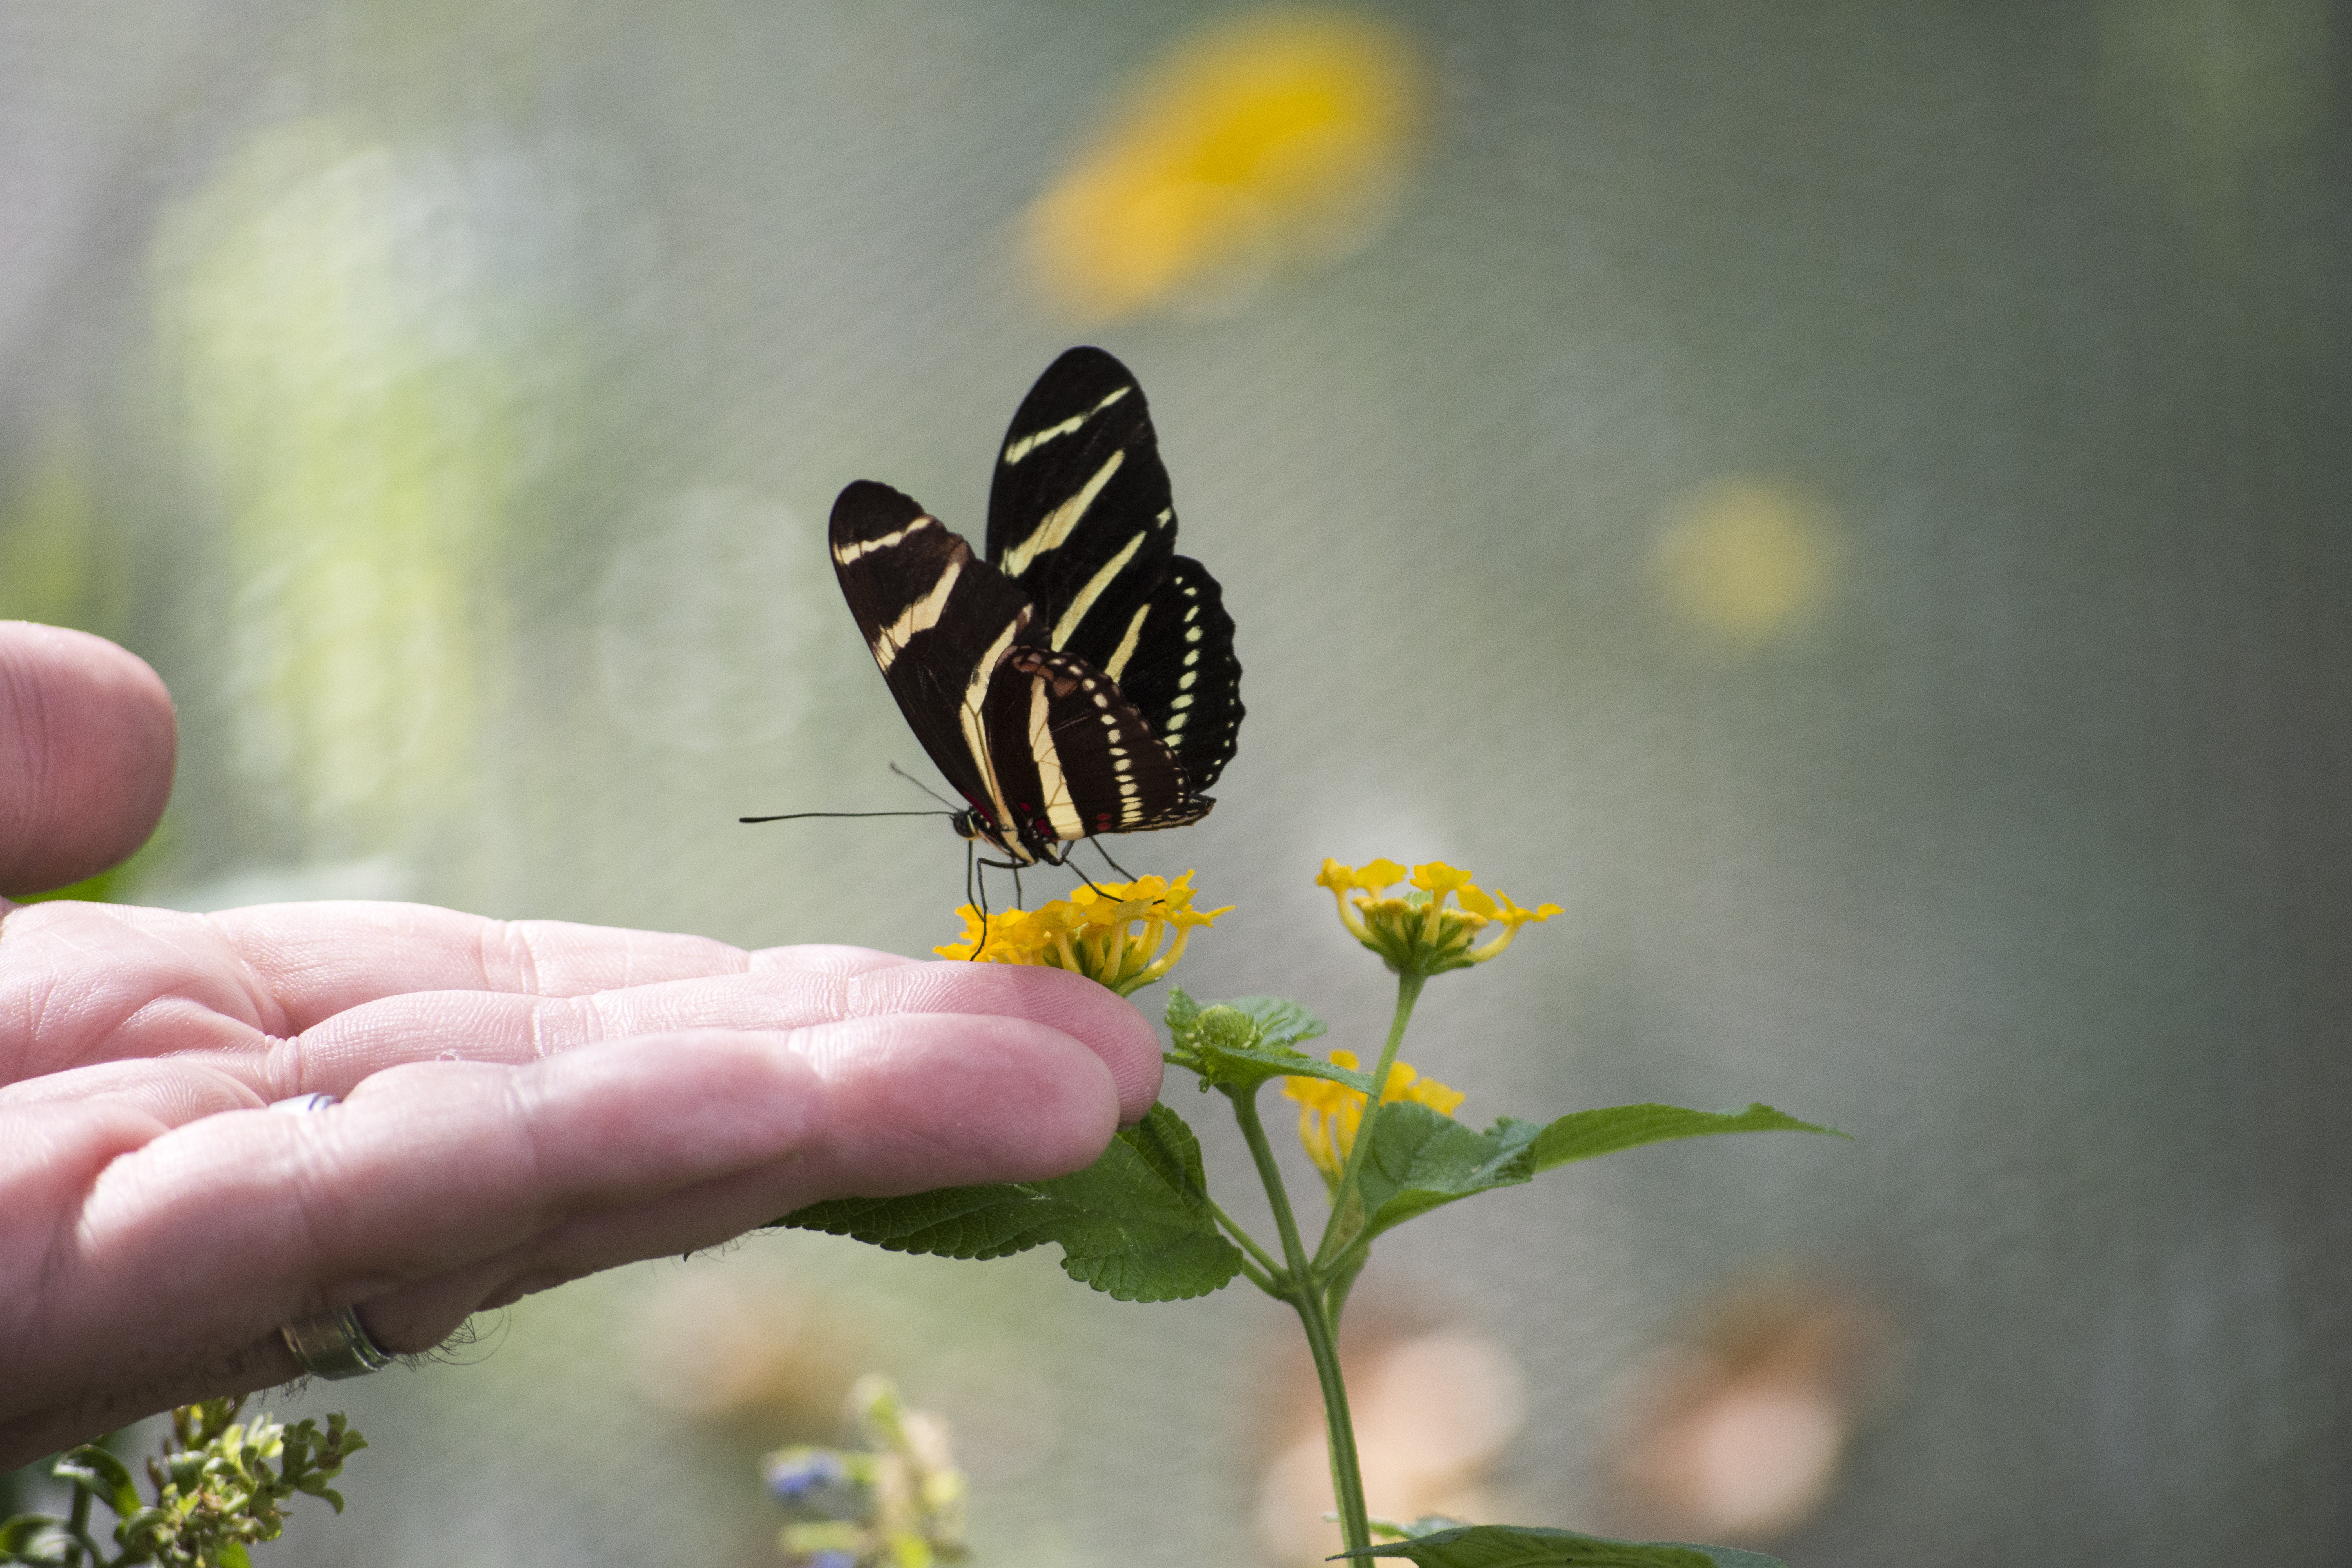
{"x": 1092, "y": 931}
{"x": 1419, "y": 932}
{"x": 1330, "y": 1113}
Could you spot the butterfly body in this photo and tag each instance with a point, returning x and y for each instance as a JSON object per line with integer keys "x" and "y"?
{"x": 1081, "y": 679}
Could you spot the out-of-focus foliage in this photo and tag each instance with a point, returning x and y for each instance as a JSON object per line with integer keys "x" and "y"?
{"x": 325, "y": 307}
{"x": 220, "y": 1488}
{"x": 897, "y": 1501}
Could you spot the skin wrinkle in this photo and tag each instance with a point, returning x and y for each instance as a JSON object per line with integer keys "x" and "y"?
{"x": 72, "y": 1238}
{"x": 307, "y": 1181}
{"x": 27, "y": 702}
{"x": 521, "y": 939}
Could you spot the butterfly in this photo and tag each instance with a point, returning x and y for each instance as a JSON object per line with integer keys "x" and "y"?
{"x": 1079, "y": 681}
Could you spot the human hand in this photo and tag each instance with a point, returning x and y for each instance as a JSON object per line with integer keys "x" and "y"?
{"x": 523, "y": 1102}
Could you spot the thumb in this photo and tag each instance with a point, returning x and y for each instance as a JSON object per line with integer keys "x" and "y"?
{"x": 86, "y": 741}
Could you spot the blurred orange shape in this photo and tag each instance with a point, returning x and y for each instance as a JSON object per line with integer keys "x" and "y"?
{"x": 1433, "y": 1413}
{"x": 1275, "y": 138}
{"x": 1741, "y": 1433}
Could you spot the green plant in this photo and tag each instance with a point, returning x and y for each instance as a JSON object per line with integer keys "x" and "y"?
{"x": 1139, "y": 1224}
{"x": 219, "y": 1487}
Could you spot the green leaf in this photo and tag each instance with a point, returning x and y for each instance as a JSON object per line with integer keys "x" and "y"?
{"x": 1244, "y": 1042}
{"x": 1421, "y": 1159}
{"x": 1280, "y": 1021}
{"x": 1136, "y": 1224}
{"x": 94, "y": 1471}
{"x": 233, "y": 1554}
{"x": 33, "y": 1537}
{"x": 1586, "y": 1135}
{"x": 1521, "y": 1546}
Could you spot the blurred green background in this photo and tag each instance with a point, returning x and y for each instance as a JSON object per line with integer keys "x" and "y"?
{"x": 1848, "y": 500}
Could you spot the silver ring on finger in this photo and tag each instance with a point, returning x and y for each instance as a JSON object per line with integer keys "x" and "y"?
{"x": 333, "y": 1344}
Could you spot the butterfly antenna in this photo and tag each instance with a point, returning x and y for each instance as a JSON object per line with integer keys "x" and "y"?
{"x": 795, "y": 816}
{"x": 922, "y": 785}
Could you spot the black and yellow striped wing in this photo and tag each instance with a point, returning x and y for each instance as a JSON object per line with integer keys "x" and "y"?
{"x": 1079, "y": 681}
{"x": 1081, "y": 517}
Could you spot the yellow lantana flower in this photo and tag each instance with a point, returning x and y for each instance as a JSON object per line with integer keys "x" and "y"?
{"x": 1264, "y": 140}
{"x": 1094, "y": 931}
{"x": 1419, "y": 932}
{"x": 1329, "y": 1113}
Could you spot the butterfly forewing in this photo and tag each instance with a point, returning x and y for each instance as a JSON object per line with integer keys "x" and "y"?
{"x": 937, "y": 621}
{"x": 1081, "y": 515}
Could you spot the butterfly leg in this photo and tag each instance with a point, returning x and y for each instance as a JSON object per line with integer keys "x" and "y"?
{"x": 1107, "y": 860}
{"x": 970, "y": 863}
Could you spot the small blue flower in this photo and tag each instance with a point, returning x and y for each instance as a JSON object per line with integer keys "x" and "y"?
{"x": 796, "y": 1473}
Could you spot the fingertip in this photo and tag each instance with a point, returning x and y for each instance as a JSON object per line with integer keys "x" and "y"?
{"x": 87, "y": 740}
{"x": 924, "y": 1100}
{"x": 1104, "y": 1022}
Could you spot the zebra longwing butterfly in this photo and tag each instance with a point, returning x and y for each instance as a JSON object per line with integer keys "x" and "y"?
{"x": 1079, "y": 681}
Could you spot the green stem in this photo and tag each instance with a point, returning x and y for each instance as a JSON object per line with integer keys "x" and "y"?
{"x": 1249, "y": 1244}
{"x": 1262, "y": 1280}
{"x": 1305, "y": 1294}
{"x": 79, "y": 1527}
{"x": 1342, "y": 1276}
{"x": 1408, "y": 992}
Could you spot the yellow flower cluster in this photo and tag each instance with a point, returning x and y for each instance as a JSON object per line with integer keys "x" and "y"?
{"x": 1419, "y": 932}
{"x": 1111, "y": 932}
{"x": 1329, "y": 1113}
{"x": 1269, "y": 139}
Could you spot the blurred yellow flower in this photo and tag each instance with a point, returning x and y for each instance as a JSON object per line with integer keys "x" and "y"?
{"x": 1092, "y": 932}
{"x": 1419, "y": 932}
{"x": 1270, "y": 139}
{"x": 1329, "y": 1113}
{"x": 1744, "y": 559}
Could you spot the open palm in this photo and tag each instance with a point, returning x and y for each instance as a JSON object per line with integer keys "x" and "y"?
{"x": 523, "y": 1102}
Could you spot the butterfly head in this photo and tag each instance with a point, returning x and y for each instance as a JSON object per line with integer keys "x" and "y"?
{"x": 974, "y": 824}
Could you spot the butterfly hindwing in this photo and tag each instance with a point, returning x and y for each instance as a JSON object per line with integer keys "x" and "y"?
{"x": 1075, "y": 758}
{"x": 1180, "y": 671}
